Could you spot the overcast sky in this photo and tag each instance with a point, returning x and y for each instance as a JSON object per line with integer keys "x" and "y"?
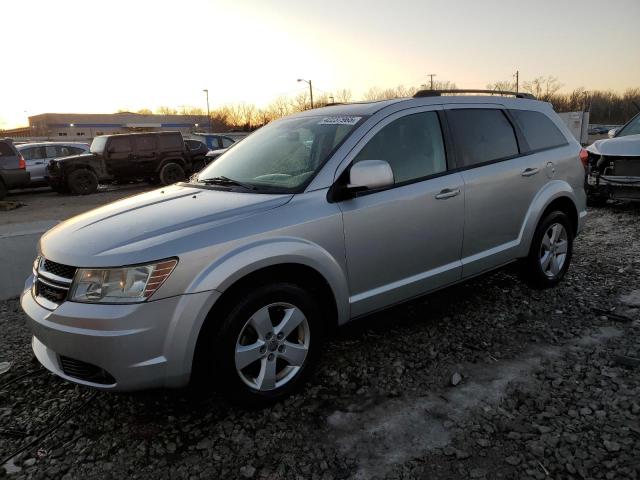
{"x": 99, "y": 56}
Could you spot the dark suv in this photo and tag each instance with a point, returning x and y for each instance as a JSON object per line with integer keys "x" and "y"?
{"x": 156, "y": 157}
{"x": 13, "y": 169}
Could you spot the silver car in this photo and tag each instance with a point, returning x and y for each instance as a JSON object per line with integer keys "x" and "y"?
{"x": 38, "y": 155}
{"x": 235, "y": 278}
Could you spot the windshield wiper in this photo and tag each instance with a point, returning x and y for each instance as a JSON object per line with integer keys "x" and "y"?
{"x": 227, "y": 181}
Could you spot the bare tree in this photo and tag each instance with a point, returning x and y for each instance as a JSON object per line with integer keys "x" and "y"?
{"x": 542, "y": 88}
{"x": 163, "y": 110}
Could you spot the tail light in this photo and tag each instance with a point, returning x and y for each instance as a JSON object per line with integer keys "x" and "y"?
{"x": 584, "y": 158}
{"x": 22, "y": 165}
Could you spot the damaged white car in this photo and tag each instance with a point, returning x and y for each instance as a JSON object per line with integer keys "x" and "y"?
{"x": 614, "y": 165}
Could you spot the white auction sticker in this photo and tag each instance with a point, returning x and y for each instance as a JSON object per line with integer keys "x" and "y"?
{"x": 339, "y": 120}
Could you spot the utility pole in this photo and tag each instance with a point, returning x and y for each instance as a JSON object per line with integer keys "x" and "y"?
{"x": 517, "y": 75}
{"x": 431, "y": 75}
{"x": 310, "y": 89}
{"x": 206, "y": 90}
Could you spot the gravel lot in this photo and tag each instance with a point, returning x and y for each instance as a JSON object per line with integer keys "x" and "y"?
{"x": 546, "y": 386}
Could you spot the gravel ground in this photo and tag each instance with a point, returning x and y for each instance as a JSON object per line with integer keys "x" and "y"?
{"x": 488, "y": 379}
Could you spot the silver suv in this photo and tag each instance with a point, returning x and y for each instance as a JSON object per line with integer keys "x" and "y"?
{"x": 234, "y": 278}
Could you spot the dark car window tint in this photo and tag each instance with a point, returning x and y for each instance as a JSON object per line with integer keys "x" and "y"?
{"x": 75, "y": 150}
{"x": 482, "y": 135}
{"x": 226, "y": 142}
{"x": 120, "y": 145}
{"x": 63, "y": 151}
{"x": 412, "y": 145}
{"x": 170, "y": 142}
{"x": 145, "y": 143}
{"x": 5, "y": 149}
{"x": 538, "y": 129}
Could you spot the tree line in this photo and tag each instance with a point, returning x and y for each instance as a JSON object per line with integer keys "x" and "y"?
{"x": 606, "y": 106}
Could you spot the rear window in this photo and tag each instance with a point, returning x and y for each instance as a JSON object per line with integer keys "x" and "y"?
{"x": 170, "y": 142}
{"x": 482, "y": 135}
{"x": 5, "y": 149}
{"x": 538, "y": 129}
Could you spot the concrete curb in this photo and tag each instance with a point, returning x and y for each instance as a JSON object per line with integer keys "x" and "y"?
{"x": 18, "y": 246}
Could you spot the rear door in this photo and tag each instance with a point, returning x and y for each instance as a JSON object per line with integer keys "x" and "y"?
{"x": 146, "y": 153}
{"x": 405, "y": 240}
{"x": 500, "y": 183}
{"x": 36, "y": 160}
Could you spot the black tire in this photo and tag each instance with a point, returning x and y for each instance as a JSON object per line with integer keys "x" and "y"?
{"x": 171, "y": 173}
{"x": 532, "y": 267}
{"x": 82, "y": 182}
{"x": 215, "y": 367}
{"x": 3, "y": 190}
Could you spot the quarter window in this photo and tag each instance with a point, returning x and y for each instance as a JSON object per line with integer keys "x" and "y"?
{"x": 226, "y": 142}
{"x": 482, "y": 135}
{"x": 412, "y": 145}
{"x": 539, "y": 131}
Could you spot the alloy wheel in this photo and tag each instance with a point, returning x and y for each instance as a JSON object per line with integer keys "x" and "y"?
{"x": 553, "y": 250}
{"x": 272, "y": 346}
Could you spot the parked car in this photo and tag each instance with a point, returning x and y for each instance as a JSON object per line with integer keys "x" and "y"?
{"x": 13, "y": 169}
{"x": 598, "y": 130}
{"x": 213, "y": 155}
{"x": 234, "y": 278}
{"x": 614, "y": 165}
{"x": 197, "y": 151}
{"x": 38, "y": 155}
{"x": 157, "y": 157}
{"x": 214, "y": 141}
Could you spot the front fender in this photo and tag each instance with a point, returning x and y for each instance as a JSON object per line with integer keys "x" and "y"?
{"x": 240, "y": 262}
{"x": 550, "y": 192}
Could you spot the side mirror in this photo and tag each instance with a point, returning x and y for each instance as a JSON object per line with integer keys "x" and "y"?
{"x": 370, "y": 174}
{"x": 612, "y": 133}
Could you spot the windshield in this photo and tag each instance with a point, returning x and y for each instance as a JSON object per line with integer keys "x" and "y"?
{"x": 631, "y": 128}
{"x": 283, "y": 156}
{"x": 97, "y": 146}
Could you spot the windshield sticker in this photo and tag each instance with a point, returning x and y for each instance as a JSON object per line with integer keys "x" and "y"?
{"x": 339, "y": 120}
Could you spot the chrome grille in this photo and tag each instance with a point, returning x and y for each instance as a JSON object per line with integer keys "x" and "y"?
{"x": 52, "y": 282}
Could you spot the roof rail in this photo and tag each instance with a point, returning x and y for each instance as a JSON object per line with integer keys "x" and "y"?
{"x": 437, "y": 93}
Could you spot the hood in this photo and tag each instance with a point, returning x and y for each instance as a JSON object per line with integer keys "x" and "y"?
{"x": 627, "y": 146}
{"x": 151, "y": 226}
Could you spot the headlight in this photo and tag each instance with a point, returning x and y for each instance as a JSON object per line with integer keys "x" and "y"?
{"x": 120, "y": 285}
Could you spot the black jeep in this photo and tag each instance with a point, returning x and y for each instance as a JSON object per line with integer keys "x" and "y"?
{"x": 155, "y": 157}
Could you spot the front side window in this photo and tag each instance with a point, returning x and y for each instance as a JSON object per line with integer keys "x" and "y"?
{"x": 539, "y": 131}
{"x": 481, "y": 135}
{"x": 170, "y": 142}
{"x": 284, "y": 155}
{"x": 412, "y": 145}
{"x": 631, "y": 128}
{"x": 145, "y": 143}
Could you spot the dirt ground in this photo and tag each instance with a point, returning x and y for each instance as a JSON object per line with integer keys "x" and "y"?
{"x": 45, "y": 204}
{"x": 488, "y": 379}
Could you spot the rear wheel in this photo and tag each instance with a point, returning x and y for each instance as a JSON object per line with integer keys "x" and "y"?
{"x": 550, "y": 252}
{"x": 171, "y": 173}
{"x": 265, "y": 347}
{"x": 82, "y": 182}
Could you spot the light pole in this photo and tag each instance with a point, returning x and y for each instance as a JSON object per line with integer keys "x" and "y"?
{"x": 310, "y": 89}
{"x": 206, "y": 90}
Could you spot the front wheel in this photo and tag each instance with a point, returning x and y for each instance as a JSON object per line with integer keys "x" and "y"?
{"x": 171, "y": 173}
{"x": 82, "y": 182}
{"x": 550, "y": 252}
{"x": 265, "y": 347}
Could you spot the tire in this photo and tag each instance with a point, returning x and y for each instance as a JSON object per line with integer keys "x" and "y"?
{"x": 197, "y": 166}
{"x": 171, "y": 173}
{"x": 82, "y": 182}
{"x": 551, "y": 251}
{"x": 249, "y": 358}
{"x": 3, "y": 190}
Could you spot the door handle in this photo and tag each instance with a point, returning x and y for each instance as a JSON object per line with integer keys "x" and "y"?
{"x": 528, "y": 172}
{"x": 447, "y": 193}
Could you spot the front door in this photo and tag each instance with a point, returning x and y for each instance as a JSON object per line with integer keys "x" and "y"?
{"x": 119, "y": 157}
{"x": 405, "y": 240}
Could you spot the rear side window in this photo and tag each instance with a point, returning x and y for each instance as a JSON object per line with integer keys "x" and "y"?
{"x": 538, "y": 129}
{"x": 145, "y": 143}
{"x": 120, "y": 145}
{"x": 170, "y": 142}
{"x": 482, "y": 135}
{"x": 412, "y": 145}
{"x": 33, "y": 153}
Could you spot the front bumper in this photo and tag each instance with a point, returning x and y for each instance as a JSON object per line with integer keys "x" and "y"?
{"x": 136, "y": 346}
